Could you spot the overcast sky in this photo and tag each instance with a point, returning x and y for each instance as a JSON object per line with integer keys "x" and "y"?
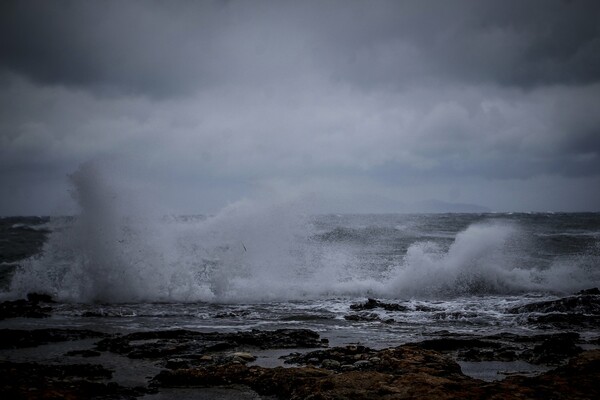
{"x": 363, "y": 106}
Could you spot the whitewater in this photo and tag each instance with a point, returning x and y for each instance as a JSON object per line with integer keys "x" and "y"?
{"x": 257, "y": 250}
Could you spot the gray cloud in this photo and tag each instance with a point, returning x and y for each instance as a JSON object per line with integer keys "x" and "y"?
{"x": 159, "y": 49}
{"x": 212, "y": 100}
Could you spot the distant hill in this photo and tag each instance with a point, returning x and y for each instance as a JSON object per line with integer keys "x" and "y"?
{"x": 369, "y": 203}
{"x": 438, "y": 206}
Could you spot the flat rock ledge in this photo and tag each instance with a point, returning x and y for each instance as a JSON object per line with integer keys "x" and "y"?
{"x": 70, "y": 381}
{"x": 194, "y": 345}
{"x": 405, "y": 372}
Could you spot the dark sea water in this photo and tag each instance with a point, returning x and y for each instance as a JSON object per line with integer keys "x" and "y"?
{"x": 268, "y": 268}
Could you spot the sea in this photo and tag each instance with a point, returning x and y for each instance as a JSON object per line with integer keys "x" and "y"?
{"x": 269, "y": 267}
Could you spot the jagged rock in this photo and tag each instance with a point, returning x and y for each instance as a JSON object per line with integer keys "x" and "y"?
{"x": 593, "y": 291}
{"x": 40, "y": 298}
{"x": 536, "y": 349}
{"x": 586, "y": 302}
{"x": 246, "y": 357}
{"x": 330, "y": 364}
{"x": 360, "y": 364}
{"x": 579, "y": 310}
{"x": 553, "y": 350}
{"x": 30, "y": 308}
{"x": 371, "y": 304}
{"x": 335, "y": 358}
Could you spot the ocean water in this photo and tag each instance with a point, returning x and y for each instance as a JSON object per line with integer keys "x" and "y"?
{"x": 120, "y": 266}
{"x": 454, "y": 272}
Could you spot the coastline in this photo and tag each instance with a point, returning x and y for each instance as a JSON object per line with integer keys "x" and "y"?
{"x": 296, "y": 363}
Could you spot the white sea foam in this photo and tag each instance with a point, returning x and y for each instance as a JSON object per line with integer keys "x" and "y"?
{"x": 481, "y": 260}
{"x": 120, "y": 250}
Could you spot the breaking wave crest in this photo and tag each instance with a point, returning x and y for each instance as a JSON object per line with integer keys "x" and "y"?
{"x": 117, "y": 250}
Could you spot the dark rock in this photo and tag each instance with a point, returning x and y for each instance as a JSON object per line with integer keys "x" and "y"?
{"x": 39, "y": 298}
{"x": 592, "y": 291}
{"x": 88, "y": 371}
{"x": 362, "y": 364}
{"x": 361, "y": 379}
{"x": 576, "y": 380}
{"x": 83, "y": 353}
{"x": 583, "y": 303}
{"x": 23, "y": 309}
{"x": 177, "y": 363}
{"x": 371, "y": 304}
{"x": 565, "y": 321}
{"x": 367, "y": 317}
{"x": 506, "y": 337}
{"x": 13, "y": 338}
{"x": 72, "y": 381}
{"x": 537, "y": 349}
{"x": 180, "y": 343}
{"x": 331, "y": 364}
{"x": 405, "y": 372}
{"x": 334, "y": 358}
{"x": 553, "y": 350}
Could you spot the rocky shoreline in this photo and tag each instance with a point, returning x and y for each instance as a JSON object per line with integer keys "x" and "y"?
{"x": 310, "y": 368}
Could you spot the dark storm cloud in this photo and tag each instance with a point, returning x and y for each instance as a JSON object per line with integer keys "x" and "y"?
{"x": 518, "y": 43}
{"x": 110, "y": 46}
{"x": 163, "y": 48}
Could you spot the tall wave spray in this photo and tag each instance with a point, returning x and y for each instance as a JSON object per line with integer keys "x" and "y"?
{"x": 112, "y": 252}
{"x": 484, "y": 259}
{"x": 120, "y": 250}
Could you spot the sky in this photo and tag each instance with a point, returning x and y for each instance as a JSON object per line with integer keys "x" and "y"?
{"x": 361, "y": 106}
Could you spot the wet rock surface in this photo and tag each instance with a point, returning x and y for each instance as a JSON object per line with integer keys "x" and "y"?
{"x": 581, "y": 310}
{"x": 195, "y": 346}
{"x": 584, "y": 302}
{"x": 374, "y": 374}
{"x": 404, "y": 372}
{"x": 552, "y": 349}
{"x": 71, "y": 381}
{"x": 197, "y": 360}
{"x": 371, "y": 304}
{"x": 368, "y": 317}
{"x": 16, "y": 338}
{"x": 35, "y": 306}
{"x": 363, "y": 312}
